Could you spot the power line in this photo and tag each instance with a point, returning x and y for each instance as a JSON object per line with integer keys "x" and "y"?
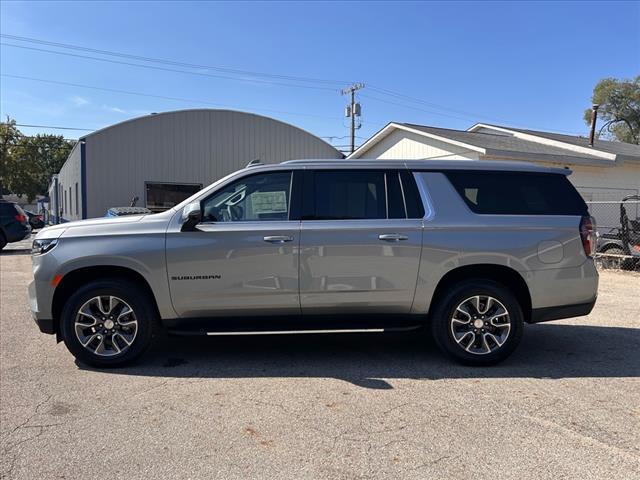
{"x": 330, "y": 137}
{"x": 163, "y": 97}
{"x": 236, "y": 71}
{"x": 402, "y": 96}
{"x": 172, "y": 62}
{"x": 469, "y": 116}
{"x": 166, "y": 69}
{"x": 466, "y": 115}
{"x": 391, "y": 102}
{"x": 53, "y": 128}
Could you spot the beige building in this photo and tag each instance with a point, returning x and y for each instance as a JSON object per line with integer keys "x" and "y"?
{"x": 163, "y": 158}
{"x": 606, "y": 171}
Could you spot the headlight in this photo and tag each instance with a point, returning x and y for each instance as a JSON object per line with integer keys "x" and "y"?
{"x": 41, "y": 247}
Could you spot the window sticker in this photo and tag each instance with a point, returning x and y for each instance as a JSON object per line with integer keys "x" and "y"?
{"x": 269, "y": 202}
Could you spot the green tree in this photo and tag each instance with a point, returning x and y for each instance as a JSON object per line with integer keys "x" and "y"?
{"x": 28, "y": 162}
{"x": 619, "y": 110}
{"x": 39, "y": 158}
{"x": 10, "y": 140}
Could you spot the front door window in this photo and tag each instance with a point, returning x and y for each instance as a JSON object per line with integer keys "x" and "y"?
{"x": 260, "y": 197}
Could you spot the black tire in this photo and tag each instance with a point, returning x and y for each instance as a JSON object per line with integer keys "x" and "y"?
{"x": 608, "y": 262}
{"x": 135, "y": 297}
{"x": 445, "y": 307}
{"x": 3, "y": 241}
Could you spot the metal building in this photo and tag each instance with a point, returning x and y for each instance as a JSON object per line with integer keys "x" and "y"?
{"x": 163, "y": 158}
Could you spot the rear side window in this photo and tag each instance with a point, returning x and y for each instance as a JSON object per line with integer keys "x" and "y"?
{"x": 415, "y": 208}
{"x": 346, "y": 195}
{"x": 510, "y": 193}
{"x": 395, "y": 202}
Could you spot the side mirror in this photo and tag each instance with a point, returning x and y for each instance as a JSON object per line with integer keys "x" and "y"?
{"x": 191, "y": 216}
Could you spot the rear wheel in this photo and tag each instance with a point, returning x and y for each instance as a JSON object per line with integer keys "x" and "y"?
{"x": 3, "y": 241}
{"x": 108, "y": 323}
{"x": 477, "y": 322}
{"x": 610, "y": 260}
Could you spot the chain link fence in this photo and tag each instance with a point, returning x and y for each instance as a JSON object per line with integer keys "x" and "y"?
{"x": 618, "y": 227}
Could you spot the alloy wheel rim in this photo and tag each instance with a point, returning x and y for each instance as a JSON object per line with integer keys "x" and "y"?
{"x": 106, "y": 325}
{"x": 480, "y": 324}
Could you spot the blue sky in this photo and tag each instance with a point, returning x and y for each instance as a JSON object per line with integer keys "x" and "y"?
{"x": 522, "y": 64}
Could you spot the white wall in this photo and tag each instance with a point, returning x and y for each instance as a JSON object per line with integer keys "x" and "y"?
{"x": 400, "y": 144}
{"x": 594, "y": 183}
{"x": 605, "y": 183}
{"x": 68, "y": 178}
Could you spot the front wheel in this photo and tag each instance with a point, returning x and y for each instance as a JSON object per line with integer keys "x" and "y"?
{"x": 108, "y": 323}
{"x": 477, "y": 322}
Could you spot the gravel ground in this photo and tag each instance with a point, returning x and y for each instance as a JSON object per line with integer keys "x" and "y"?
{"x": 565, "y": 405}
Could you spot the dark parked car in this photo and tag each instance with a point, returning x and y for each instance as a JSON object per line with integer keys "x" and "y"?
{"x": 121, "y": 211}
{"x": 14, "y": 224}
{"x": 35, "y": 220}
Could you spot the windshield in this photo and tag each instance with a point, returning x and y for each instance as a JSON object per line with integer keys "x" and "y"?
{"x": 198, "y": 194}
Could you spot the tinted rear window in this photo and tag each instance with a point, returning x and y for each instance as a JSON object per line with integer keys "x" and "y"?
{"x": 415, "y": 209}
{"x": 348, "y": 195}
{"x": 509, "y": 193}
{"x": 7, "y": 209}
{"x": 395, "y": 202}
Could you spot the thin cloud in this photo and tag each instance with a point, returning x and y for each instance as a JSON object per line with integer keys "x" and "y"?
{"x": 79, "y": 101}
{"x": 114, "y": 109}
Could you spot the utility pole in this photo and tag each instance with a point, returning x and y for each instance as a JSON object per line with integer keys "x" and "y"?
{"x": 353, "y": 110}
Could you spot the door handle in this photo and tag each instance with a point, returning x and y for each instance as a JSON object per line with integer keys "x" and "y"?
{"x": 278, "y": 238}
{"x": 392, "y": 237}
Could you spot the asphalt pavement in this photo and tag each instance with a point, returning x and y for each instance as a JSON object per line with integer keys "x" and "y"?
{"x": 566, "y": 405}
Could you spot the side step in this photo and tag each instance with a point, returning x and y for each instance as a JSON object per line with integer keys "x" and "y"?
{"x": 298, "y": 332}
{"x": 290, "y": 326}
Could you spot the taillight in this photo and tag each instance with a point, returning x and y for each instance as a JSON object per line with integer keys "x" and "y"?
{"x": 588, "y": 234}
{"x": 21, "y": 218}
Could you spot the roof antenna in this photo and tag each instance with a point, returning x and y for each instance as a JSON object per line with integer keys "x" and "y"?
{"x": 254, "y": 163}
{"x": 594, "y": 117}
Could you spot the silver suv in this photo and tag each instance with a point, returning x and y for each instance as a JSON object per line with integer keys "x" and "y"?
{"x": 471, "y": 250}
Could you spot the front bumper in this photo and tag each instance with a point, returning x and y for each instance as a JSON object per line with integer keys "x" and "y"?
{"x": 46, "y": 325}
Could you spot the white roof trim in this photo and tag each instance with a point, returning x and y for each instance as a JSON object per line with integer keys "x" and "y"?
{"x": 591, "y": 151}
{"x": 397, "y": 126}
{"x": 372, "y": 141}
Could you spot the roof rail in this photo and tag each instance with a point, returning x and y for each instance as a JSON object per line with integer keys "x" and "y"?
{"x": 312, "y": 160}
{"x": 254, "y": 163}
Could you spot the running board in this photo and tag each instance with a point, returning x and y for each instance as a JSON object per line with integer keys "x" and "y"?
{"x": 246, "y": 326}
{"x": 298, "y": 332}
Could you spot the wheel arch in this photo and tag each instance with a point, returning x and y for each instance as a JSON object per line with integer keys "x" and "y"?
{"x": 81, "y": 276}
{"x": 610, "y": 245}
{"x": 501, "y": 274}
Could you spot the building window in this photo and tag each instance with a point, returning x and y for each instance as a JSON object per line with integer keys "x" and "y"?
{"x": 162, "y": 196}
{"x": 77, "y": 200}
